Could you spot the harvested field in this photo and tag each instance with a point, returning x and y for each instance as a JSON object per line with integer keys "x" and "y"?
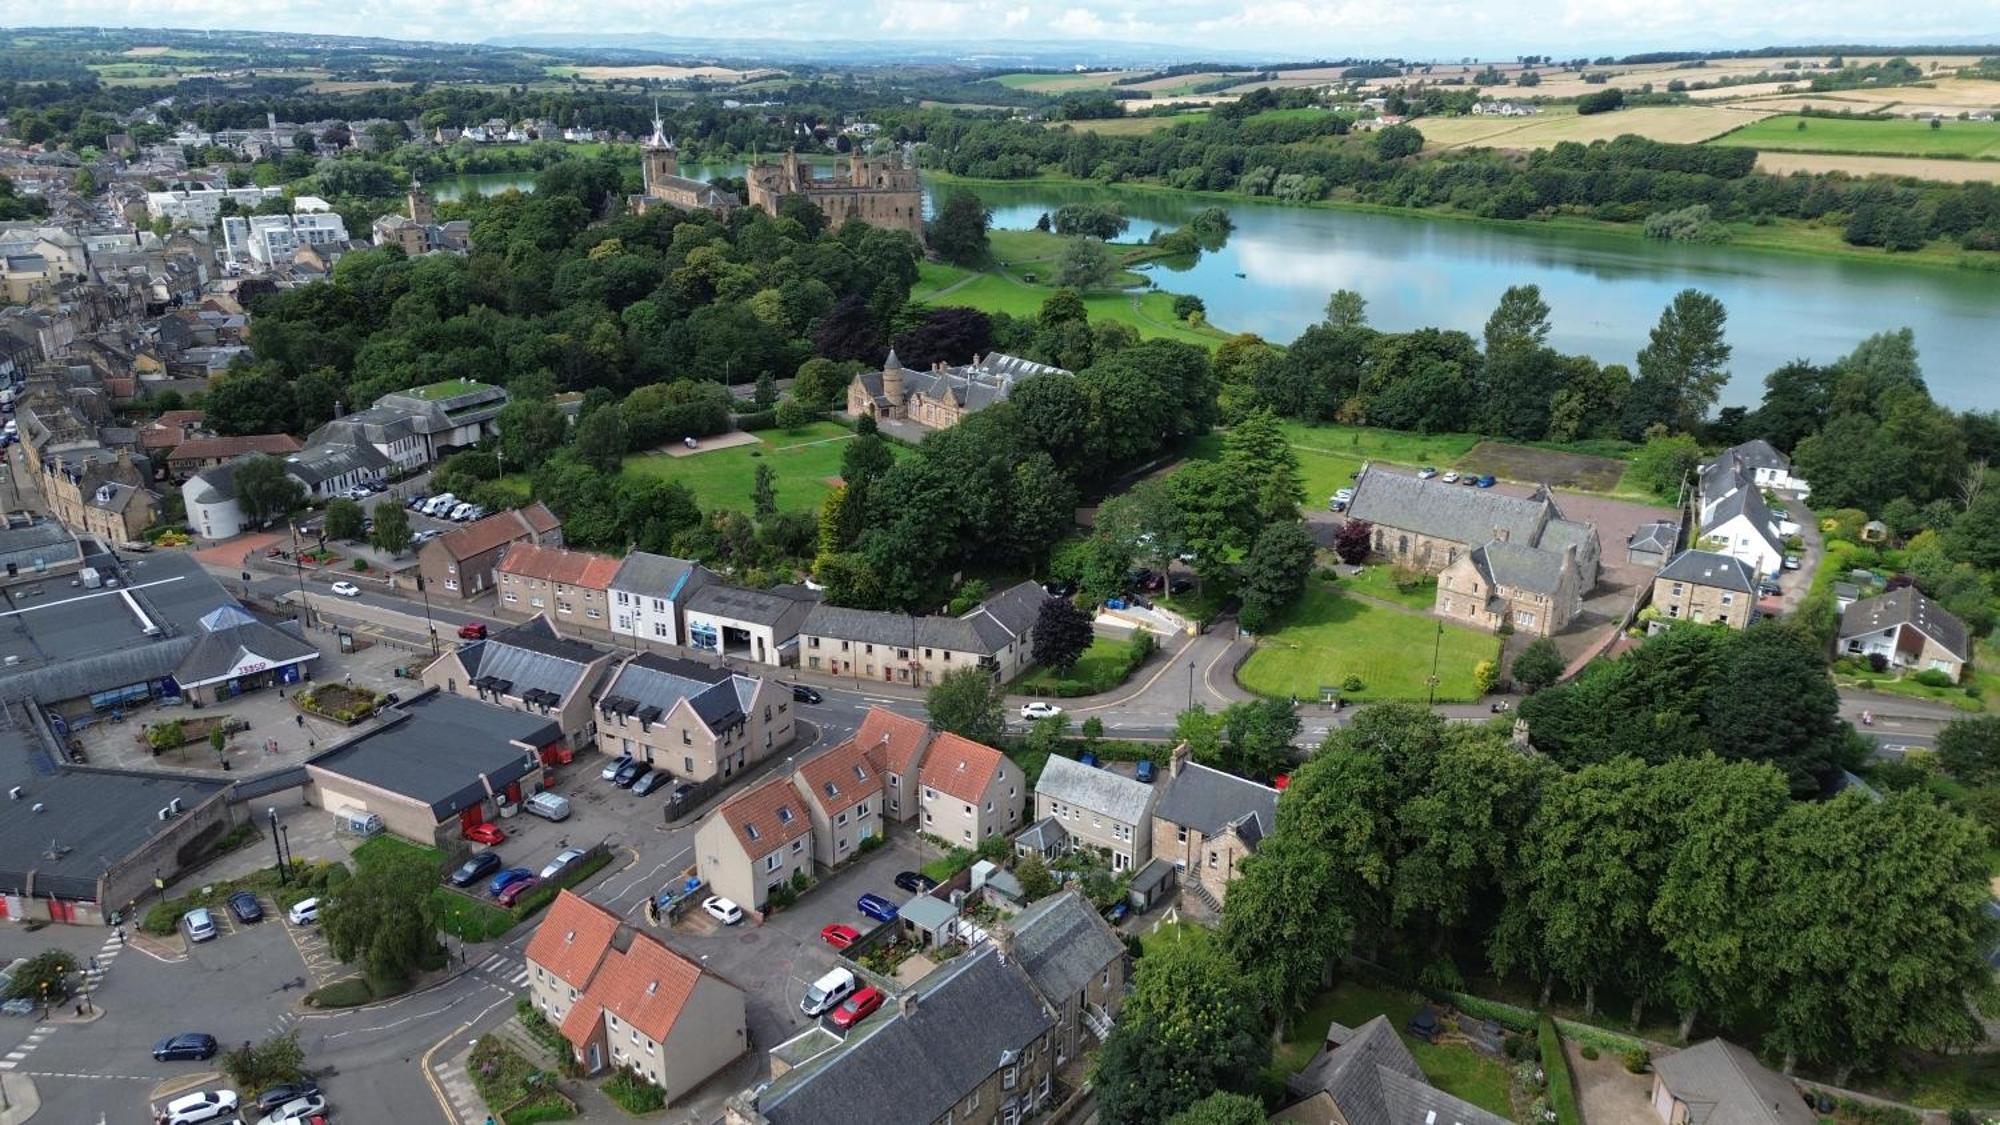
{"x": 1948, "y": 171}
{"x": 1179, "y": 83}
{"x": 1675, "y": 124}
{"x": 1542, "y": 466}
{"x": 1747, "y": 90}
{"x": 1948, "y": 97}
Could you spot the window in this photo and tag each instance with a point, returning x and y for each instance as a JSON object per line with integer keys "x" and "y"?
{"x": 1677, "y": 589}
{"x": 813, "y": 642}
{"x": 687, "y": 764}
{"x": 536, "y": 602}
{"x": 841, "y": 819}
{"x": 772, "y": 861}
{"x": 861, "y": 811}
{"x": 512, "y": 598}
{"x": 784, "y": 814}
{"x": 1010, "y": 1076}
{"x": 1180, "y": 836}
{"x": 1729, "y": 599}
{"x": 798, "y": 845}
{"x": 686, "y": 738}
{"x": 931, "y": 795}
{"x": 750, "y": 830}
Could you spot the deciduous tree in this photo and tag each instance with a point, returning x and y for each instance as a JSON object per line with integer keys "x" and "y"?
{"x": 345, "y": 519}
{"x": 967, "y": 703}
{"x": 1191, "y": 1027}
{"x": 1062, "y": 634}
{"x": 392, "y": 528}
{"x": 1538, "y": 665}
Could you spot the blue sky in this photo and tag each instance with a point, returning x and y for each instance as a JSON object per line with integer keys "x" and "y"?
{"x": 1288, "y": 29}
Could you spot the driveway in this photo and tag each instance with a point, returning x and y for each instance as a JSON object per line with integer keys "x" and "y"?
{"x": 1609, "y": 1094}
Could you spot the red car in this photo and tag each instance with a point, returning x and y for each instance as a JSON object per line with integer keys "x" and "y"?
{"x": 856, "y": 1008}
{"x": 472, "y": 631}
{"x": 839, "y": 936}
{"x": 512, "y": 892}
{"x": 485, "y": 834}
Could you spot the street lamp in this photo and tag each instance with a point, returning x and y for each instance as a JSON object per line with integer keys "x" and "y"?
{"x": 1437, "y": 646}
{"x": 1190, "y": 705}
{"x": 276, "y": 846}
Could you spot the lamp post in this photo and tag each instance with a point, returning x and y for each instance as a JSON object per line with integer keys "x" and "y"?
{"x": 430, "y": 626}
{"x": 277, "y": 847}
{"x": 1437, "y": 646}
{"x": 1190, "y": 705}
{"x": 299, "y": 568}
{"x": 285, "y": 830}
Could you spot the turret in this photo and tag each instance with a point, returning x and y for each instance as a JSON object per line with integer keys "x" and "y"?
{"x": 661, "y": 161}
{"x": 892, "y": 379}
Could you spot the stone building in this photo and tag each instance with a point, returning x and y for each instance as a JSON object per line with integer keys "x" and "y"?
{"x": 943, "y": 395}
{"x": 881, "y": 193}
{"x": 665, "y": 186}
{"x": 698, "y": 722}
{"x": 1206, "y": 821}
{"x": 100, "y": 492}
{"x": 1705, "y": 586}
{"x": 1086, "y": 807}
{"x": 1504, "y": 583}
{"x": 996, "y": 636}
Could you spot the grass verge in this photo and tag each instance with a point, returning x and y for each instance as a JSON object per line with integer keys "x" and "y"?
{"x": 1106, "y": 664}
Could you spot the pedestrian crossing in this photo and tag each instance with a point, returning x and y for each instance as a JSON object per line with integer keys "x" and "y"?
{"x": 20, "y": 1054}
{"x": 283, "y": 1024}
{"x": 504, "y": 968}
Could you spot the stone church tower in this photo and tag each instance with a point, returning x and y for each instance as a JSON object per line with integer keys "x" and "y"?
{"x": 421, "y": 210}
{"x": 662, "y": 162}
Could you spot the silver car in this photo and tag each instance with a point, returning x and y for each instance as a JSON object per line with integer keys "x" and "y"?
{"x": 199, "y": 924}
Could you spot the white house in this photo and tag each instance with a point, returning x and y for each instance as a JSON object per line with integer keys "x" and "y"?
{"x": 197, "y": 204}
{"x": 759, "y": 625}
{"x": 1734, "y": 519}
{"x": 1763, "y": 464}
{"x": 647, "y": 593}
{"x": 269, "y": 240}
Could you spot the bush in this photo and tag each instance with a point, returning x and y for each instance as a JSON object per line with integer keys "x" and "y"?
{"x": 167, "y": 736}
{"x": 1589, "y": 1052}
{"x": 360, "y": 564}
{"x": 1555, "y": 1065}
{"x": 633, "y": 1094}
{"x": 757, "y": 420}
{"x": 1638, "y": 1059}
{"x": 45, "y": 975}
{"x": 1351, "y": 683}
{"x": 1932, "y": 677}
{"x": 349, "y": 993}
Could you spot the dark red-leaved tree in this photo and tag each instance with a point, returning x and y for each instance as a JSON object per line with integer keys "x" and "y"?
{"x": 1352, "y": 541}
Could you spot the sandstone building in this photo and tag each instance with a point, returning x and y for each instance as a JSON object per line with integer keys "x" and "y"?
{"x": 881, "y": 193}
{"x": 943, "y": 395}
{"x": 665, "y": 186}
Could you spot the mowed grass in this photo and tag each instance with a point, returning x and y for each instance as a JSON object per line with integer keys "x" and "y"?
{"x": 1132, "y": 126}
{"x": 803, "y": 462}
{"x": 1330, "y": 454}
{"x": 1453, "y": 1068}
{"x": 1151, "y": 313}
{"x": 1378, "y": 581}
{"x": 1973, "y": 140}
{"x": 1329, "y": 636}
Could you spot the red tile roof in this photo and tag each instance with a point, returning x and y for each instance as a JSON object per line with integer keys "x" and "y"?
{"x": 961, "y": 767}
{"x": 766, "y": 816}
{"x": 646, "y": 985}
{"x": 617, "y": 969}
{"x": 841, "y": 776}
{"x": 564, "y": 567}
{"x": 481, "y": 536}
{"x": 896, "y": 741}
{"x": 572, "y": 938}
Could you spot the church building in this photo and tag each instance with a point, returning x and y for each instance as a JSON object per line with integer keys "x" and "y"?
{"x": 665, "y": 186}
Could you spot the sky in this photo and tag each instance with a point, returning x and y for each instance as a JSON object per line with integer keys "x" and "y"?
{"x": 1287, "y": 29}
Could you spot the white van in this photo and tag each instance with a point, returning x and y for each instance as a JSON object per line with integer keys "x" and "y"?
{"x": 827, "y": 991}
{"x": 438, "y": 505}
{"x": 547, "y": 805}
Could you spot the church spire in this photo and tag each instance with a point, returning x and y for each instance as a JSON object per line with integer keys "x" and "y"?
{"x": 659, "y": 137}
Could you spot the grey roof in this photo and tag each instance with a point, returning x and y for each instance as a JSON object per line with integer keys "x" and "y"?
{"x": 1748, "y": 503}
{"x": 1043, "y": 835}
{"x": 651, "y": 680}
{"x": 655, "y": 576}
{"x": 1016, "y": 607}
{"x": 1447, "y": 511}
{"x": 1210, "y": 800}
{"x": 1064, "y": 944}
{"x": 1723, "y": 1084}
{"x": 973, "y": 386}
{"x": 974, "y": 1015}
{"x": 761, "y": 607}
{"x": 1706, "y": 568}
{"x": 317, "y": 463}
{"x": 1100, "y": 791}
{"x": 1660, "y": 536}
{"x": 220, "y": 650}
{"x": 530, "y": 657}
{"x": 1721, "y": 476}
{"x": 927, "y": 913}
{"x": 1373, "y": 1080}
{"x": 1906, "y": 607}
{"x": 1515, "y": 566}
{"x": 45, "y": 541}
{"x": 986, "y": 629}
{"x": 436, "y": 748}
{"x": 1757, "y": 454}
{"x": 868, "y": 626}
{"x": 1561, "y": 533}
{"x": 1846, "y": 591}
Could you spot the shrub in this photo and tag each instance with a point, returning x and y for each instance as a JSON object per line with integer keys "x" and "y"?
{"x": 781, "y": 896}
{"x": 1589, "y": 1052}
{"x": 167, "y": 736}
{"x": 46, "y": 974}
{"x": 360, "y": 564}
{"x": 1638, "y": 1059}
{"x": 1484, "y": 675}
{"x": 1932, "y": 677}
{"x": 348, "y": 993}
{"x": 1555, "y": 1065}
{"x": 1351, "y": 683}
{"x": 633, "y": 1094}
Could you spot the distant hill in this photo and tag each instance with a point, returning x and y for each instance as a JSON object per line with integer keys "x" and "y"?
{"x": 983, "y": 53}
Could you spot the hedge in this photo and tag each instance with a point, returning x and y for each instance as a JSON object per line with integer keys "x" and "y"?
{"x": 349, "y": 993}
{"x": 1555, "y": 1066}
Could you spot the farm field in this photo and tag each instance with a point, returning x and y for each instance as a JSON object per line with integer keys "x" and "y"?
{"x": 1062, "y": 83}
{"x": 1328, "y": 636}
{"x": 1978, "y": 140}
{"x": 804, "y": 463}
{"x": 1674, "y": 124}
{"x": 666, "y": 73}
{"x": 1948, "y": 171}
{"x": 1946, "y": 96}
{"x": 1130, "y": 126}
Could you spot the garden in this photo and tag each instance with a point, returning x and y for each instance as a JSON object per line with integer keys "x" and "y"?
{"x": 804, "y": 464}
{"x": 1107, "y": 663}
{"x": 517, "y": 1091}
{"x": 1452, "y": 1066}
{"x": 1370, "y": 652}
{"x": 341, "y": 703}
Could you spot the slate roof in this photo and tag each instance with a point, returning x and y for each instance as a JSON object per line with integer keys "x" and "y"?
{"x": 1064, "y": 944}
{"x": 1706, "y": 568}
{"x": 59, "y": 644}
{"x": 1748, "y": 503}
{"x": 1209, "y": 801}
{"x": 651, "y": 680}
{"x": 972, "y": 1016}
{"x": 866, "y": 626}
{"x": 46, "y": 540}
{"x": 1757, "y": 454}
{"x": 558, "y": 565}
{"x": 1906, "y": 607}
{"x": 985, "y": 629}
{"x": 766, "y": 816}
{"x": 1513, "y": 566}
{"x": 1723, "y": 1084}
{"x": 760, "y": 607}
{"x": 218, "y": 651}
{"x": 960, "y": 767}
{"x": 1373, "y": 1080}
{"x": 841, "y": 776}
{"x": 657, "y": 576}
{"x": 1658, "y": 536}
{"x": 1100, "y": 791}
{"x": 483, "y": 535}
{"x": 1722, "y": 476}
{"x": 1448, "y": 511}
{"x": 1046, "y": 834}
{"x": 897, "y": 741}
{"x": 435, "y": 748}
{"x": 974, "y": 386}
{"x": 530, "y": 657}
{"x": 1015, "y": 608}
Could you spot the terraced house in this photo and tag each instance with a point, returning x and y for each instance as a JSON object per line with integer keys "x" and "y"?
{"x": 759, "y": 839}
{"x": 897, "y": 648}
{"x": 1079, "y": 806}
{"x": 529, "y": 667}
{"x": 698, "y": 722}
{"x": 570, "y": 587}
{"x": 843, "y": 793}
{"x": 968, "y": 792}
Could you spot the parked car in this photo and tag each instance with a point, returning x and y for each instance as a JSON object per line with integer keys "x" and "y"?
{"x": 1450, "y": 477}
{"x": 199, "y": 924}
{"x": 299, "y": 1110}
{"x": 915, "y": 882}
{"x": 839, "y": 936}
{"x": 1487, "y": 481}
{"x": 486, "y": 833}
{"x": 856, "y": 1008}
{"x": 506, "y": 879}
{"x": 1427, "y": 472}
{"x": 1087, "y": 759}
{"x": 1145, "y": 771}
{"x": 1468, "y": 480}
{"x": 876, "y": 907}
{"x": 1793, "y": 562}
{"x": 1117, "y": 912}
{"x": 1179, "y": 586}
{"x": 649, "y": 781}
{"x": 1336, "y": 505}
{"x": 245, "y": 906}
{"x": 472, "y": 631}
{"x": 680, "y": 794}
{"x": 205, "y": 1105}
{"x": 828, "y": 990}
{"x": 561, "y": 862}
{"x": 475, "y": 869}
{"x": 1770, "y": 590}
{"x": 304, "y": 912}
{"x": 416, "y": 503}
{"x": 461, "y": 513}
{"x": 186, "y": 1045}
{"x": 722, "y": 910}
{"x": 630, "y": 772}
{"x": 548, "y": 806}
{"x": 512, "y": 892}
{"x": 1344, "y": 494}
{"x": 803, "y": 694}
{"x": 611, "y": 768}
{"x": 285, "y": 1092}
{"x": 347, "y": 589}
{"x": 1039, "y": 709}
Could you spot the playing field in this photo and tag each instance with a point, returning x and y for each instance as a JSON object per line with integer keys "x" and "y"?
{"x": 1977, "y": 140}
{"x": 804, "y": 461}
{"x": 666, "y": 73}
{"x": 1329, "y": 636}
{"x": 1944, "y": 171}
{"x": 1673, "y": 124}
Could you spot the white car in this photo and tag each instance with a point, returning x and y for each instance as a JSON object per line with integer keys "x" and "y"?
{"x": 199, "y": 924}
{"x": 1451, "y": 478}
{"x": 304, "y": 912}
{"x": 298, "y": 1109}
{"x": 1344, "y": 494}
{"x": 1426, "y": 473}
{"x": 723, "y": 910}
{"x": 562, "y": 860}
{"x": 207, "y": 1105}
{"x": 347, "y": 589}
{"x": 1039, "y": 709}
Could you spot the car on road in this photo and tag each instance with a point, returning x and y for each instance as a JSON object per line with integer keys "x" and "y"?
{"x": 186, "y": 1045}
{"x": 611, "y": 768}
{"x": 1487, "y": 481}
{"x": 512, "y": 892}
{"x": 548, "y": 806}
{"x": 630, "y": 772}
{"x": 1344, "y": 494}
{"x": 1427, "y": 472}
{"x": 856, "y": 1008}
{"x": 506, "y": 879}
{"x": 722, "y": 910}
{"x": 472, "y": 631}
{"x": 304, "y": 912}
{"x": 915, "y": 882}
{"x": 204, "y": 1105}
{"x": 1450, "y": 477}
{"x": 199, "y": 924}
{"x": 297, "y": 1110}
{"x": 476, "y": 868}
{"x": 245, "y": 906}
{"x": 285, "y": 1092}
{"x": 561, "y": 862}
{"x": 1039, "y": 709}
{"x": 1793, "y": 562}
{"x": 839, "y": 936}
{"x": 347, "y": 589}
{"x": 803, "y": 694}
{"x": 649, "y": 781}
{"x": 876, "y": 907}
{"x": 486, "y": 833}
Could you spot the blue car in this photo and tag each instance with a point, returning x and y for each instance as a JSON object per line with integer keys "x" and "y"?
{"x": 1487, "y": 481}
{"x": 876, "y": 907}
{"x": 186, "y": 1045}
{"x": 1145, "y": 771}
{"x": 511, "y": 875}
{"x": 1087, "y": 759}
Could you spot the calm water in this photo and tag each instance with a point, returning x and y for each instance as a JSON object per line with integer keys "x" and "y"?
{"x": 1605, "y": 290}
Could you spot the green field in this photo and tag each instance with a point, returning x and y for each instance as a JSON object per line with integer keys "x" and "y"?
{"x": 1135, "y": 126}
{"x": 1330, "y": 454}
{"x": 1451, "y": 1067}
{"x": 1379, "y": 582}
{"x": 1329, "y": 636}
{"x": 804, "y": 463}
{"x": 1061, "y": 83}
{"x": 1973, "y": 140}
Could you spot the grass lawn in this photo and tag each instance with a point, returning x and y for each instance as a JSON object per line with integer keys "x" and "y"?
{"x": 1173, "y": 933}
{"x": 1975, "y": 140}
{"x": 1328, "y": 637}
{"x": 1330, "y": 454}
{"x": 447, "y": 389}
{"x": 803, "y": 461}
{"x": 1454, "y": 1068}
{"x": 1377, "y": 581}
{"x": 1103, "y": 666}
{"x": 1151, "y": 312}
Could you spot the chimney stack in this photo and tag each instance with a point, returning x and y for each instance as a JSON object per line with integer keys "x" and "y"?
{"x": 1500, "y": 533}
{"x": 1179, "y": 761}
